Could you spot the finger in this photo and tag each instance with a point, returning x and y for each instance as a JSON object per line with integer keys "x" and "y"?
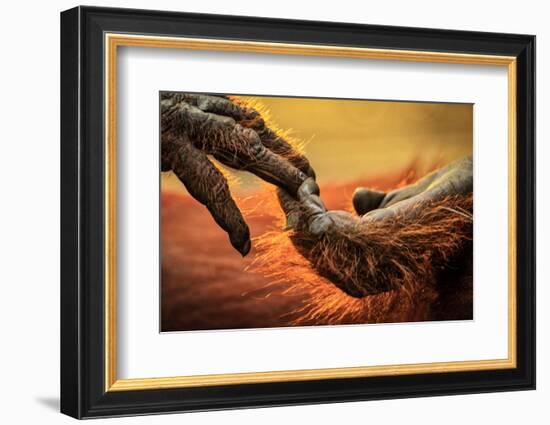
{"x": 457, "y": 173}
{"x": 218, "y": 105}
{"x": 208, "y": 186}
{"x": 455, "y": 179}
{"x": 365, "y": 200}
{"x": 307, "y": 213}
{"x": 250, "y": 118}
{"x": 292, "y": 209}
{"x": 405, "y": 208}
{"x": 230, "y": 143}
{"x": 278, "y": 144}
{"x": 223, "y": 106}
{"x": 315, "y": 212}
{"x": 281, "y": 147}
{"x": 242, "y": 149}
{"x": 197, "y": 116}
{"x": 410, "y": 191}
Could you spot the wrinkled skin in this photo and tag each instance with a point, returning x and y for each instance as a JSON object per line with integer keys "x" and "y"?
{"x": 307, "y": 213}
{"x": 194, "y": 126}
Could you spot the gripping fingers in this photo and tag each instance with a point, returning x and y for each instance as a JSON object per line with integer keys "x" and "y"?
{"x": 292, "y": 209}
{"x": 208, "y": 186}
{"x": 319, "y": 221}
{"x": 229, "y": 142}
{"x": 221, "y": 106}
{"x": 211, "y": 123}
{"x": 308, "y": 213}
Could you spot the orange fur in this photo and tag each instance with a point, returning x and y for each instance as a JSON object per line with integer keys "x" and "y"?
{"x": 404, "y": 257}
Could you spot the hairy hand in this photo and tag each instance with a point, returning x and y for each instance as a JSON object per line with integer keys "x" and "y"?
{"x": 194, "y": 126}
{"x": 395, "y": 237}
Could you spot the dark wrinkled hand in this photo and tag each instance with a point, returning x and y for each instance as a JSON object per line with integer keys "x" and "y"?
{"x": 307, "y": 213}
{"x": 194, "y": 126}
{"x": 453, "y": 179}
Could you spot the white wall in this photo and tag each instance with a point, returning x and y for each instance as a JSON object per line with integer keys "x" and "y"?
{"x": 29, "y": 211}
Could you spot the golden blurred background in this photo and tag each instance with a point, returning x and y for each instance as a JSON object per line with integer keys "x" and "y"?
{"x": 354, "y": 139}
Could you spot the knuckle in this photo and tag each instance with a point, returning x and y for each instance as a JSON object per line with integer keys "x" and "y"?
{"x": 320, "y": 225}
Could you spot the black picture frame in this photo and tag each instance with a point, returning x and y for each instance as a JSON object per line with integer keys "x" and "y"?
{"x": 83, "y": 392}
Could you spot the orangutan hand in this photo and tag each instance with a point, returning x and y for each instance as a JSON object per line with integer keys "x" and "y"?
{"x": 307, "y": 212}
{"x": 453, "y": 179}
{"x": 194, "y": 126}
{"x": 394, "y": 235}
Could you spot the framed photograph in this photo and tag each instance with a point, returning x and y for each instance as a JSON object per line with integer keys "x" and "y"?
{"x": 261, "y": 212}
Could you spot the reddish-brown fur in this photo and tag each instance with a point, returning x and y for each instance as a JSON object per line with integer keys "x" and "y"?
{"x": 413, "y": 258}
